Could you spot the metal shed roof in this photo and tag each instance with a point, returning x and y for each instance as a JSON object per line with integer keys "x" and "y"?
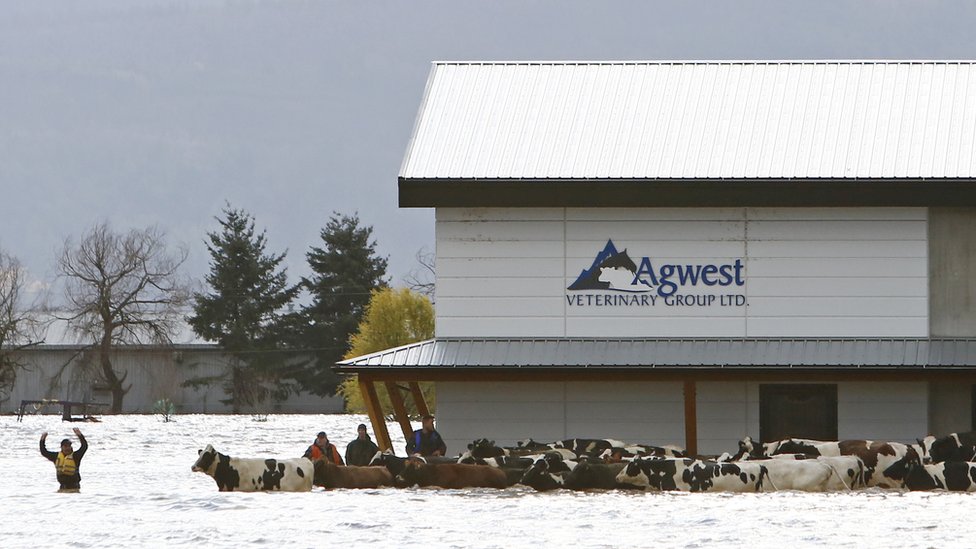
{"x": 450, "y": 353}
{"x": 696, "y": 120}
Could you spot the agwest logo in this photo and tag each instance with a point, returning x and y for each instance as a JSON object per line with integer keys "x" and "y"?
{"x": 613, "y": 270}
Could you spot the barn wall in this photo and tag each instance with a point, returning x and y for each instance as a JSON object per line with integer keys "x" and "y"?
{"x": 65, "y": 374}
{"x": 877, "y": 410}
{"x": 507, "y": 412}
{"x": 952, "y": 260}
{"x": 874, "y": 410}
{"x": 653, "y": 412}
{"x": 808, "y": 272}
{"x": 950, "y": 408}
{"x": 727, "y": 412}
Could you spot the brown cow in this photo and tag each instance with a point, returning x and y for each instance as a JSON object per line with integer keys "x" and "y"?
{"x": 329, "y": 475}
{"x": 450, "y": 475}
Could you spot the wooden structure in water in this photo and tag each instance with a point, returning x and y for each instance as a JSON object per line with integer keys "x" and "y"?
{"x": 375, "y": 409}
{"x": 68, "y": 408}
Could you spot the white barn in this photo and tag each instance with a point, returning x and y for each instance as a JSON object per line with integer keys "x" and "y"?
{"x": 692, "y": 252}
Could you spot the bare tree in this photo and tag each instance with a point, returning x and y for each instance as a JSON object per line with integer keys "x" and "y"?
{"x": 19, "y": 324}
{"x": 421, "y": 279}
{"x": 122, "y": 288}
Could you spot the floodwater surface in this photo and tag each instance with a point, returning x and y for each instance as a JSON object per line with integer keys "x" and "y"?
{"x": 138, "y": 491}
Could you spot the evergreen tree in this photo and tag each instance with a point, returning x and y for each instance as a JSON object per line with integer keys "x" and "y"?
{"x": 345, "y": 270}
{"x": 243, "y": 311}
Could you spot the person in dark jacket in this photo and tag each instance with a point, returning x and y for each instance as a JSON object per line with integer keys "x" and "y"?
{"x": 426, "y": 441}
{"x": 361, "y": 450}
{"x": 67, "y": 462}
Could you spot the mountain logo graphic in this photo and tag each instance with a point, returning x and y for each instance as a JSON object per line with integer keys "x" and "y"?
{"x": 611, "y": 270}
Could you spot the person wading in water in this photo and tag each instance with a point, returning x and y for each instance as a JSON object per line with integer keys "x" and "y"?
{"x": 426, "y": 441}
{"x": 67, "y": 461}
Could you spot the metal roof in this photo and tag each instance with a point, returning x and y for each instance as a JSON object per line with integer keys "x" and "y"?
{"x": 672, "y": 353}
{"x": 696, "y": 119}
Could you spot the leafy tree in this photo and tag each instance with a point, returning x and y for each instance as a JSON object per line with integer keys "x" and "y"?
{"x": 122, "y": 288}
{"x": 393, "y": 318}
{"x": 19, "y": 325}
{"x": 345, "y": 270}
{"x": 243, "y": 312}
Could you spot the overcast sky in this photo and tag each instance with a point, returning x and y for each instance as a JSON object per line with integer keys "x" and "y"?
{"x": 158, "y": 113}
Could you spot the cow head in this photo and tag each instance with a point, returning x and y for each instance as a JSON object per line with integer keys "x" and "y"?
{"x": 917, "y": 477}
{"x": 547, "y": 472}
{"x": 412, "y": 472}
{"x": 634, "y": 474}
{"x": 531, "y": 445}
{"x": 205, "y": 460}
{"x": 484, "y": 448}
{"x": 905, "y": 465}
{"x": 748, "y": 447}
{"x": 922, "y": 446}
{"x": 943, "y": 448}
{"x": 386, "y": 459}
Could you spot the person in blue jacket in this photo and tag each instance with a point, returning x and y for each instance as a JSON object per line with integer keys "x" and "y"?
{"x": 426, "y": 441}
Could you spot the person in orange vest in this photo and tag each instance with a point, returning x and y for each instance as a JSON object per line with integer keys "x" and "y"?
{"x": 323, "y": 449}
{"x": 67, "y": 461}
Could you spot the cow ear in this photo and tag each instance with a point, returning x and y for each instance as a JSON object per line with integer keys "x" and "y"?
{"x": 199, "y": 452}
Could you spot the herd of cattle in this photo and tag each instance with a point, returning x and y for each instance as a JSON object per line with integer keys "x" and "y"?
{"x": 947, "y": 463}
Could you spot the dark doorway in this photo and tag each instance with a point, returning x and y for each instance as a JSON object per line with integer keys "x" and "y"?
{"x": 800, "y": 411}
{"x": 972, "y": 406}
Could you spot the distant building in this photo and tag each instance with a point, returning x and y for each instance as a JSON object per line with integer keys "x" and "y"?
{"x": 64, "y": 370}
{"x": 691, "y": 252}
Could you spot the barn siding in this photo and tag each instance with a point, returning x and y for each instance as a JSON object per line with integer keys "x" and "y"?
{"x": 809, "y": 272}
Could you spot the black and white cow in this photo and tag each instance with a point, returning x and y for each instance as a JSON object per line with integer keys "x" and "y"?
{"x": 694, "y": 475}
{"x": 514, "y": 467}
{"x": 847, "y": 471}
{"x": 884, "y": 462}
{"x": 953, "y": 447}
{"x": 955, "y": 476}
{"x": 626, "y": 453}
{"x": 548, "y": 472}
{"x": 255, "y": 474}
{"x": 529, "y": 446}
{"x": 393, "y": 463}
{"x": 589, "y": 474}
{"x": 590, "y": 447}
{"x": 484, "y": 449}
{"x": 805, "y": 475}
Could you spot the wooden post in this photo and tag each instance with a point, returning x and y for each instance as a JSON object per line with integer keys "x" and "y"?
{"x": 418, "y": 398}
{"x": 691, "y": 418}
{"x": 375, "y": 411}
{"x": 399, "y": 409}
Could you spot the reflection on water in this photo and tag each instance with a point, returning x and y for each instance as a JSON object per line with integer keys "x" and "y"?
{"x": 138, "y": 491}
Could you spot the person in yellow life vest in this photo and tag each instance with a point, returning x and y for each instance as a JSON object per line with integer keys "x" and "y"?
{"x": 322, "y": 448}
{"x": 67, "y": 461}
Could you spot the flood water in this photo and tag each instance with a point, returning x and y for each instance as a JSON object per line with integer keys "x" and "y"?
{"x": 138, "y": 491}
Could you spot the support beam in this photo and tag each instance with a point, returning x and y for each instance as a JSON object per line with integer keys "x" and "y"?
{"x": 375, "y": 411}
{"x": 691, "y": 417}
{"x": 418, "y": 398}
{"x": 399, "y": 409}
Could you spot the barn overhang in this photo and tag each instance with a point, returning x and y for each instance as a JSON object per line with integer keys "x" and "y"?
{"x": 686, "y": 360}
{"x": 682, "y": 193}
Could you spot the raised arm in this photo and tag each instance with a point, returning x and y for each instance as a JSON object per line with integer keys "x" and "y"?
{"x": 84, "y": 444}
{"x": 53, "y": 456}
